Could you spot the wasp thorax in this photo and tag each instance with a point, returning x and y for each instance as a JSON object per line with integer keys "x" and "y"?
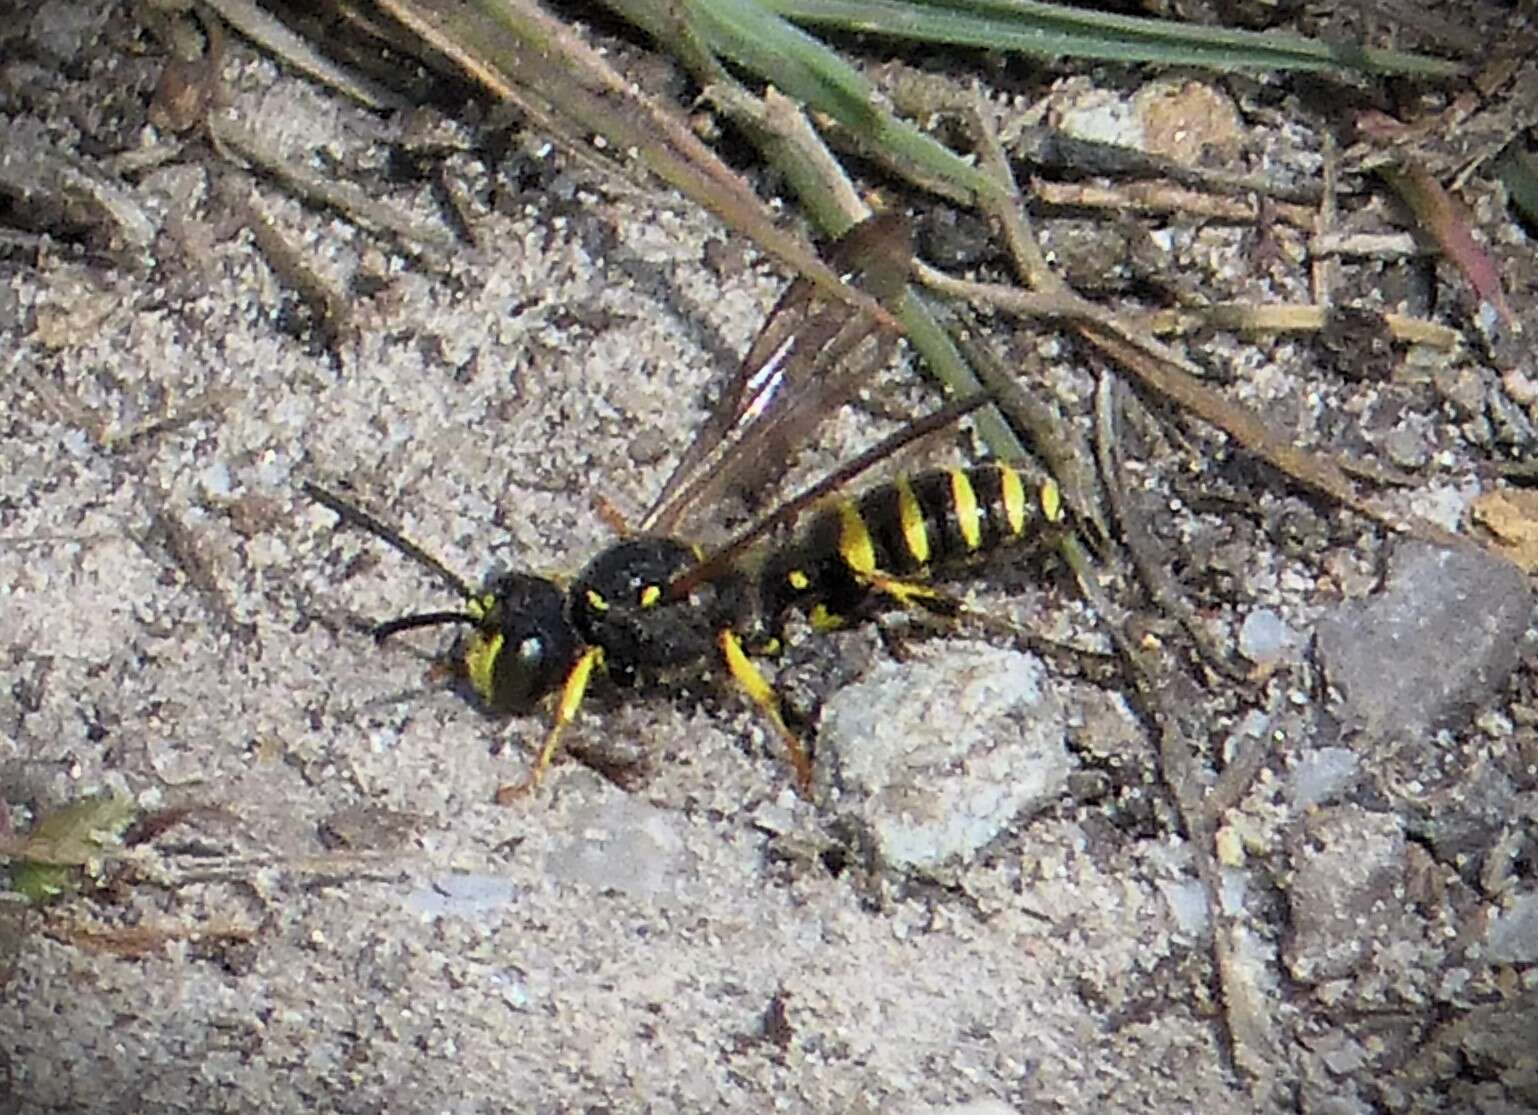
{"x": 620, "y": 603}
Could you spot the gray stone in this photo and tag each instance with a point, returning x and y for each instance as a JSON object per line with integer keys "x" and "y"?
{"x": 1439, "y": 638}
{"x": 938, "y": 757}
{"x": 472, "y": 896}
{"x": 1321, "y": 775}
{"x": 1513, "y": 934}
{"x": 1265, "y": 639}
{"x": 1349, "y": 866}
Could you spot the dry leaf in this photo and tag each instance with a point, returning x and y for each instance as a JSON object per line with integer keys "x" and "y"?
{"x": 1512, "y": 516}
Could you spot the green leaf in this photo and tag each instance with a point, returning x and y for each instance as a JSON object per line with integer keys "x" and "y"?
{"x": 64, "y": 843}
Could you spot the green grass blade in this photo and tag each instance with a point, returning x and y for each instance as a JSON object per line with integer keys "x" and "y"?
{"x": 801, "y": 66}
{"x": 1518, "y": 172}
{"x": 1048, "y": 31}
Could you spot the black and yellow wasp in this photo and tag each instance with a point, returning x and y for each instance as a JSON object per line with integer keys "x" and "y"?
{"x": 651, "y": 605}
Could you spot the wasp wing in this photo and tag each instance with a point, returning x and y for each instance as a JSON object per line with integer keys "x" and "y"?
{"x": 812, "y": 354}
{"x": 784, "y": 515}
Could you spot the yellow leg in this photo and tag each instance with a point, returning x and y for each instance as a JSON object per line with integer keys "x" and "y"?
{"x": 913, "y": 594}
{"x": 572, "y": 693}
{"x": 761, "y": 693}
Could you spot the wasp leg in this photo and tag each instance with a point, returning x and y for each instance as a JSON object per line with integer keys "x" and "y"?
{"x": 913, "y": 595}
{"x": 937, "y": 612}
{"x": 910, "y": 596}
{"x": 752, "y": 681}
{"x": 572, "y": 692}
{"x": 612, "y": 517}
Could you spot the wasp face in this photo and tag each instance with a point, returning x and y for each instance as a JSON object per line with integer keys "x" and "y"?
{"x": 523, "y": 644}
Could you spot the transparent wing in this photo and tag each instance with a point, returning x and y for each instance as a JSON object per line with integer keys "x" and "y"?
{"x": 785, "y": 514}
{"x": 813, "y": 353}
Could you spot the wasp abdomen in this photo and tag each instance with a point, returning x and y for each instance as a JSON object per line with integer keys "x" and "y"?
{"x": 909, "y": 528}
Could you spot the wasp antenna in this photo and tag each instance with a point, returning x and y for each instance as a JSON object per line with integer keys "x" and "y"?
{"x": 353, "y": 515}
{"x": 424, "y": 619}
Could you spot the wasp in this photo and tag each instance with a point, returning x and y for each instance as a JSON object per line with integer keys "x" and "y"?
{"x": 652, "y": 606}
